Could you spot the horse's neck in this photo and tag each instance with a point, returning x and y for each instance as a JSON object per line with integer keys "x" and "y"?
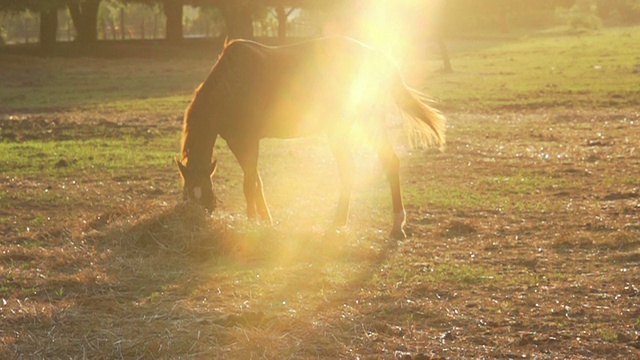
{"x": 199, "y": 140}
{"x": 198, "y": 149}
{"x": 200, "y": 132}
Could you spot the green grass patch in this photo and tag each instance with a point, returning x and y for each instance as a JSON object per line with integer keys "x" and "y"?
{"x": 156, "y": 85}
{"x": 64, "y": 158}
{"x": 608, "y": 335}
{"x": 463, "y": 274}
{"x": 586, "y": 70}
{"x": 594, "y": 70}
{"x": 487, "y": 198}
{"x": 522, "y": 182}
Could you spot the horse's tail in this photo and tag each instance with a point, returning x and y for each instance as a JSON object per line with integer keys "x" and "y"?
{"x": 425, "y": 122}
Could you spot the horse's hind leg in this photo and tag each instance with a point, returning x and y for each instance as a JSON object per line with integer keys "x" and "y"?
{"x": 346, "y": 166}
{"x": 261, "y": 202}
{"x": 391, "y": 165}
{"x": 247, "y": 155}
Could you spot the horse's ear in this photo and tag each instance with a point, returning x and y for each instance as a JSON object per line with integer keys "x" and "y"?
{"x": 214, "y": 166}
{"x": 181, "y": 167}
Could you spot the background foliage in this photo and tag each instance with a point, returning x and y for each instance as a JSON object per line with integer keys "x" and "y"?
{"x": 175, "y": 19}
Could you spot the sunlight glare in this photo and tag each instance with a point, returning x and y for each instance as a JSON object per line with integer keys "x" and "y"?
{"x": 397, "y": 29}
{"x": 393, "y": 27}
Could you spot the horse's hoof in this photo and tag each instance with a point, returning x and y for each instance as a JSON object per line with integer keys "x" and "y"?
{"x": 398, "y": 234}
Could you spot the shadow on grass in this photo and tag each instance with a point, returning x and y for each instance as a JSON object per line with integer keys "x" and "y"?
{"x": 179, "y": 283}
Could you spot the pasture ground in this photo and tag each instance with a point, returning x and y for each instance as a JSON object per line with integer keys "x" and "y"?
{"x": 524, "y": 234}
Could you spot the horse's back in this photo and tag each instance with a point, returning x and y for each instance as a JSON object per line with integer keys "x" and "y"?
{"x": 309, "y": 58}
{"x": 290, "y": 90}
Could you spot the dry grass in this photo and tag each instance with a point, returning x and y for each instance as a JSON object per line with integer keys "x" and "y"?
{"x": 525, "y": 243}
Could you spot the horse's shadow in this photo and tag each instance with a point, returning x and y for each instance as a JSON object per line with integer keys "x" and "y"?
{"x": 174, "y": 282}
{"x": 179, "y": 265}
{"x": 187, "y": 233}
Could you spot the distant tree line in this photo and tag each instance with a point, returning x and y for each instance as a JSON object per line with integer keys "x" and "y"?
{"x": 506, "y": 15}
{"x": 242, "y": 18}
{"x": 236, "y": 15}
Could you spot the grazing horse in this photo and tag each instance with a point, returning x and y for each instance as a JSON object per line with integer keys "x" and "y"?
{"x": 319, "y": 86}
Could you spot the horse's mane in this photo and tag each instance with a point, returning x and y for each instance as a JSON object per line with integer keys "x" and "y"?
{"x": 196, "y": 129}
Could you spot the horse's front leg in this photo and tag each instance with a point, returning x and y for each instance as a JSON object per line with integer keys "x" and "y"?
{"x": 247, "y": 155}
{"x": 254, "y": 194}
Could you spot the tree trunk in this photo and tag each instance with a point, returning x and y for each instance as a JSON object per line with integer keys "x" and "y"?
{"x": 25, "y": 24}
{"x": 282, "y": 16}
{"x": 122, "y": 25}
{"x": 48, "y": 28}
{"x": 112, "y": 26}
{"x": 445, "y": 55}
{"x": 85, "y": 20}
{"x": 173, "y": 11}
{"x": 238, "y": 20}
{"x": 155, "y": 26}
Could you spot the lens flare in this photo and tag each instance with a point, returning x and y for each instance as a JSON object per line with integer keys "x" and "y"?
{"x": 393, "y": 27}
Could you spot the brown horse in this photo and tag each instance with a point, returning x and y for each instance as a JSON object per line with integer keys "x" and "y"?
{"x": 321, "y": 86}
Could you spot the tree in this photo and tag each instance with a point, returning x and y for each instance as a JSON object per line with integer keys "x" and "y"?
{"x": 48, "y": 16}
{"x": 238, "y": 17}
{"x": 285, "y": 8}
{"x": 501, "y": 15}
{"x": 173, "y": 10}
{"x": 48, "y": 27}
{"x": 282, "y": 15}
{"x": 236, "y": 13}
{"x": 84, "y": 14}
{"x": 239, "y": 14}
{"x": 619, "y": 12}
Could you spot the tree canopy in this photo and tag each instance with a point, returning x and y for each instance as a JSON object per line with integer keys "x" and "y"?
{"x": 240, "y": 16}
{"x": 33, "y": 5}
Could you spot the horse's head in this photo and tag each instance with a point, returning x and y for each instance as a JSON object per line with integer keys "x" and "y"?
{"x": 197, "y": 186}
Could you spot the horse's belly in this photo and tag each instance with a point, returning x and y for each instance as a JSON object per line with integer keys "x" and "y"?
{"x": 294, "y": 125}
{"x": 299, "y": 117}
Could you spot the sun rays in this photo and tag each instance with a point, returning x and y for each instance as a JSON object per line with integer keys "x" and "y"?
{"x": 398, "y": 31}
{"x": 393, "y": 27}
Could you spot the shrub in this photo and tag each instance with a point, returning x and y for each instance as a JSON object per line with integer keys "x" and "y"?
{"x": 582, "y": 15}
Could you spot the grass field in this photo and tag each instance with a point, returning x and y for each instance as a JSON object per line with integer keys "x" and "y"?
{"x": 524, "y": 233}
